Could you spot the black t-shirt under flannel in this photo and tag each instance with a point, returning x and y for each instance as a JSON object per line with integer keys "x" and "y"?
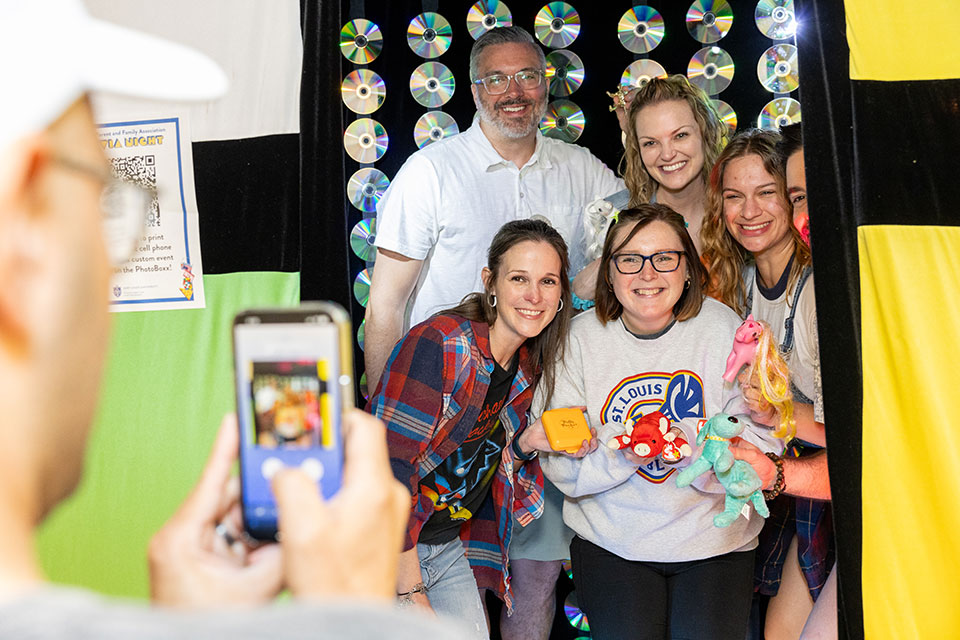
{"x": 460, "y": 483}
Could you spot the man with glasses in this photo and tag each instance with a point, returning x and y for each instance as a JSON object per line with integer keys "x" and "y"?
{"x": 437, "y": 219}
{"x": 64, "y": 223}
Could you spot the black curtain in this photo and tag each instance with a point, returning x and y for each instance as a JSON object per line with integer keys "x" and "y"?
{"x": 325, "y": 252}
{"x": 828, "y": 149}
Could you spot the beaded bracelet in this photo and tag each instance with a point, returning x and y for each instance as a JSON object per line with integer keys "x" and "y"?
{"x": 780, "y": 485}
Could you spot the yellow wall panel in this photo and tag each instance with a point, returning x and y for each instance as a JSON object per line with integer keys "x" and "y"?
{"x": 896, "y": 40}
{"x": 910, "y": 327}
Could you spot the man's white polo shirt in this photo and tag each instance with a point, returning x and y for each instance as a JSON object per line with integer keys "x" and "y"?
{"x": 449, "y": 199}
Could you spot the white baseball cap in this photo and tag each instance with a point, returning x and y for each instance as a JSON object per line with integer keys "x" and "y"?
{"x": 53, "y": 51}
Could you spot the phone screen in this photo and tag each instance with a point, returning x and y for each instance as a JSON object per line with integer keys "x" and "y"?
{"x": 289, "y": 407}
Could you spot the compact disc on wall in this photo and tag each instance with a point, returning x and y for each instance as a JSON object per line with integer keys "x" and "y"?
{"x": 432, "y": 84}
{"x": 363, "y": 91}
{"x": 563, "y": 120}
{"x": 640, "y": 72}
{"x": 557, "y": 25}
{"x": 776, "y": 19}
{"x": 365, "y": 188}
{"x": 779, "y": 112}
{"x": 777, "y": 69}
{"x": 564, "y": 72}
{"x": 709, "y": 20}
{"x": 365, "y": 140}
{"x": 574, "y": 614}
{"x": 429, "y": 35}
{"x": 361, "y": 286}
{"x": 640, "y": 29}
{"x": 434, "y": 126}
{"x": 486, "y": 15}
{"x": 727, "y": 115}
{"x": 711, "y": 69}
{"x": 362, "y": 237}
{"x": 360, "y": 41}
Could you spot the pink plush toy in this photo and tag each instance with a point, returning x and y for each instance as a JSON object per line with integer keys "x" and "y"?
{"x": 650, "y": 437}
{"x": 744, "y": 347}
{"x": 755, "y": 346}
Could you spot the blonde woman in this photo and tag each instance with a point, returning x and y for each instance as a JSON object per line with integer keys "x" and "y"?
{"x": 673, "y": 136}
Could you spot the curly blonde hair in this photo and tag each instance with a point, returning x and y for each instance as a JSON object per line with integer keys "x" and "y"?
{"x": 713, "y": 131}
{"x": 725, "y": 256}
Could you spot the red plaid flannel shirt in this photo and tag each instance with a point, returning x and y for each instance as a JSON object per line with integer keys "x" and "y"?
{"x": 430, "y": 395}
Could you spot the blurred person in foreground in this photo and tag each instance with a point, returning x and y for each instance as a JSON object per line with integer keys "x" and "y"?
{"x": 58, "y": 242}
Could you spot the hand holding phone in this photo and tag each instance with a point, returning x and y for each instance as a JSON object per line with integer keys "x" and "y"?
{"x": 294, "y": 379}
{"x": 191, "y": 566}
{"x": 346, "y": 546}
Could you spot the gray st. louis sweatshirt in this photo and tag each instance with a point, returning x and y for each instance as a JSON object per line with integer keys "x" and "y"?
{"x": 640, "y": 514}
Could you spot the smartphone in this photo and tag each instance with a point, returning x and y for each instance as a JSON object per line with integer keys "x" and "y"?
{"x": 294, "y": 378}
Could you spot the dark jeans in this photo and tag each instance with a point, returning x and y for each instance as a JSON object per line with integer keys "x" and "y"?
{"x": 697, "y": 600}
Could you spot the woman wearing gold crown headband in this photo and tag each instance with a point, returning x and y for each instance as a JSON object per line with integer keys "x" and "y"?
{"x": 672, "y": 135}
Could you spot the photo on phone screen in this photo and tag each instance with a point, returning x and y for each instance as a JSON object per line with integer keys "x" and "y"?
{"x": 290, "y": 378}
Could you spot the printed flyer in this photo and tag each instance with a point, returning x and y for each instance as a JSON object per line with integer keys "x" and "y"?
{"x": 165, "y": 271}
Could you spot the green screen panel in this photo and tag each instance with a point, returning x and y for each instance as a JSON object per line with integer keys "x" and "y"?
{"x": 167, "y": 384}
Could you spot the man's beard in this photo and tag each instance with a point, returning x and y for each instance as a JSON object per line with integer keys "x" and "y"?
{"x": 514, "y": 129}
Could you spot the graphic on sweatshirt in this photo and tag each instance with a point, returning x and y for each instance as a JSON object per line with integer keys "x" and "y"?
{"x": 677, "y": 395}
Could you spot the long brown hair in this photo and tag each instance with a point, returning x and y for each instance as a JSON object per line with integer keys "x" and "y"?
{"x": 691, "y": 300}
{"x": 726, "y": 257}
{"x": 713, "y": 131}
{"x": 546, "y": 349}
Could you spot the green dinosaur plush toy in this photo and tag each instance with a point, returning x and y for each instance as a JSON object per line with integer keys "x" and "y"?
{"x": 736, "y": 476}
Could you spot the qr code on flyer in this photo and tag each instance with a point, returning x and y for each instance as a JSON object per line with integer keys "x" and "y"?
{"x": 142, "y": 171}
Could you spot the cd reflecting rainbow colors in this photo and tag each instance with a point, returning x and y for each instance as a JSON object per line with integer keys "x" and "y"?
{"x": 640, "y": 29}
{"x": 362, "y": 238}
{"x": 574, "y": 614}
{"x": 564, "y": 72}
{"x": 779, "y": 112}
{"x": 434, "y": 126}
{"x": 363, "y": 91}
{"x": 363, "y": 386}
{"x": 727, "y": 115}
{"x": 709, "y": 20}
{"x": 486, "y": 15}
{"x": 776, "y": 19}
{"x": 711, "y": 69}
{"x": 365, "y": 188}
{"x": 361, "y": 286}
{"x": 360, "y": 41}
{"x": 429, "y": 35}
{"x": 557, "y": 25}
{"x": 365, "y": 140}
{"x": 567, "y": 567}
{"x": 361, "y": 333}
{"x": 563, "y": 120}
{"x": 777, "y": 69}
{"x": 640, "y": 72}
{"x": 432, "y": 84}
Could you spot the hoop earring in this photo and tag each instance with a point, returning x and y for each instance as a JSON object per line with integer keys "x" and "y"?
{"x": 492, "y": 301}
{"x": 560, "y": 308}
{"x": 686, "y": 283}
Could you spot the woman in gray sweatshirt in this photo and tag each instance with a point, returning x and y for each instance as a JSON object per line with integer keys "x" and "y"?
{"x": 648, "y": 561}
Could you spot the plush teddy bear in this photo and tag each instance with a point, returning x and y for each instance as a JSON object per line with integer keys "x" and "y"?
{"x": 651, "y": 436}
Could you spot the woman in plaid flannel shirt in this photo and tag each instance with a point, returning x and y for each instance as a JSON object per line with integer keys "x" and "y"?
{"x": 454, "y": 396}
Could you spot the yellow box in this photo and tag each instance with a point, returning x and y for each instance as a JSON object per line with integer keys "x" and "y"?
{"x": 566, "y": 429}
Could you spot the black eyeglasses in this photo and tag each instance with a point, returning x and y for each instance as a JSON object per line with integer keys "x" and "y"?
{"x": 662, "y": 261}
{"x": 498, "y": 83}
